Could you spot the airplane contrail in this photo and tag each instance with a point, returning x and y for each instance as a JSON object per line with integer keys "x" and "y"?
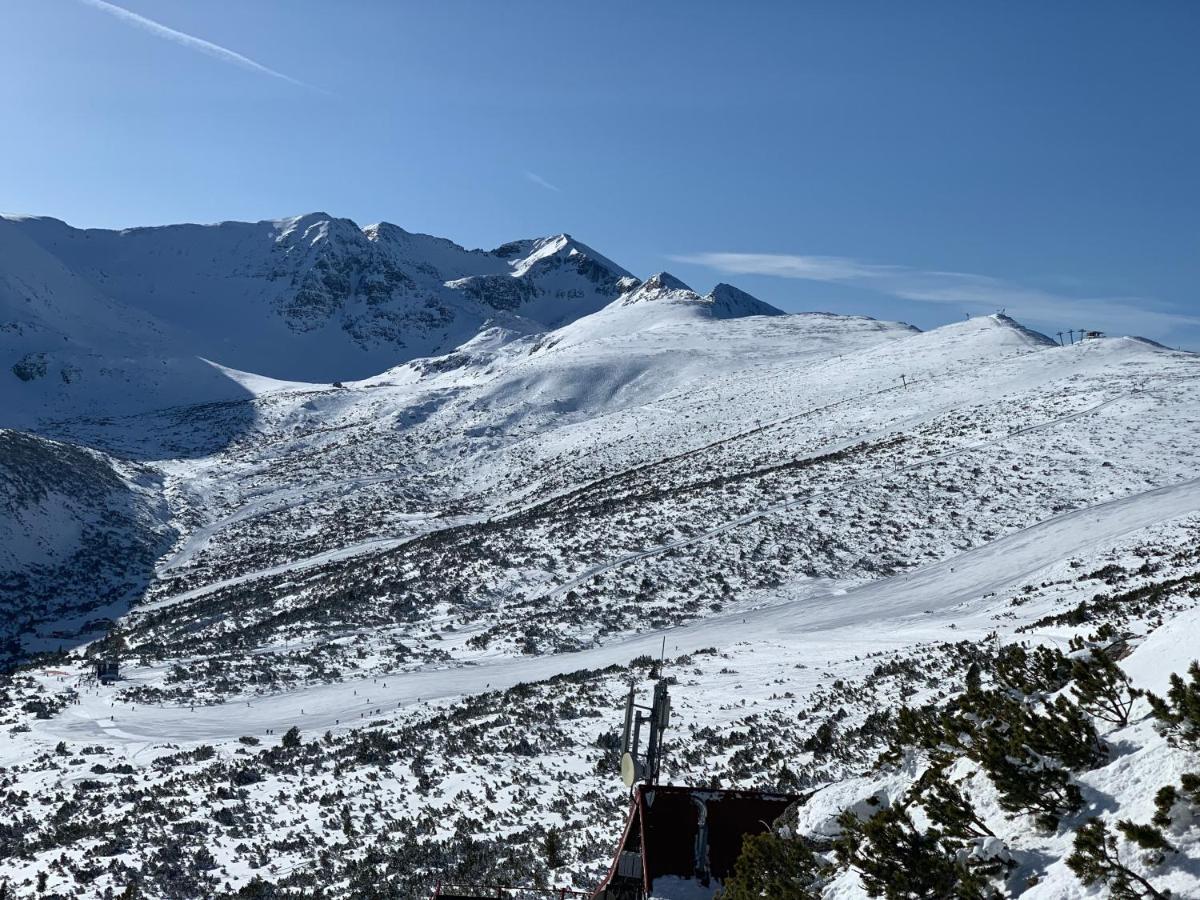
{"x": 190, "y": 40}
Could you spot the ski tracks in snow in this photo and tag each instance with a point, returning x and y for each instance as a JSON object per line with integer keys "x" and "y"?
{"x": 928, "y": 600}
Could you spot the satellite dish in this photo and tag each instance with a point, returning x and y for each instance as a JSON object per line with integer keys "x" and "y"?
{"x": 631, "y": 770}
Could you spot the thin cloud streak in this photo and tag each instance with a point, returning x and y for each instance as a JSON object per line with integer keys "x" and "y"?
{"x": 191, "y": 41}
{"x": 1127, "y": 315}
{"x": 538, "y": 179}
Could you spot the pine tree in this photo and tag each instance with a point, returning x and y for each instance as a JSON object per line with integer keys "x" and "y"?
{"x": 1179, "y": 713}
{"x": 291, "y": 738}
{"x": 1026, "y": 782}
{"x": 974, "y": 679}
{"x": 775, "y": 867}
{"x": 1027, "y": 744}
{"x": 1102, "y": 688}
{"x": 1028, "y": 748}
{"x": 1061, "y": 730}
{"x": 897, "y": 861}
{"x": 1164, "y": 803}
{"x": 1042, "y": 670}
{"x": 1095, "y": 861}
{"x": 258, "y": 888}
{"x": 1168, "y": 796}
{"x": 1148, "y": 837}
{"x": 552, "y": 849}
{"x": 937, "y": 731}
{"x": 951, "y": 810}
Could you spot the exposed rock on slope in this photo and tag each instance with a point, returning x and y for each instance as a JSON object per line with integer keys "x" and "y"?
{"x": 724, "y": 302}
{"x": 79, "y": 535}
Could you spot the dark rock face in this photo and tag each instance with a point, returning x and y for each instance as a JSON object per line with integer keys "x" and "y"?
{"x": 499, "y": 291}
{"x": 80, "y": 535}
{"x": 30, "y": 366}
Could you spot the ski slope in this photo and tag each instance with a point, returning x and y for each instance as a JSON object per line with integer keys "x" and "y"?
{"x": 926, "y": 601}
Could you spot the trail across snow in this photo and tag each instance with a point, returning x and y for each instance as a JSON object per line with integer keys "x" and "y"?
{"x": 589, "y": 574}
{"x": 952, "y": 590}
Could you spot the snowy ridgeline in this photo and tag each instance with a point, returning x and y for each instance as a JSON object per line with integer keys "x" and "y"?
{"x": 103, "y": 322}
{"x": 443, "y": 577}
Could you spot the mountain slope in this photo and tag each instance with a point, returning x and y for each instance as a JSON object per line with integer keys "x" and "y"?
{"x": 79, "y": 537}
{"x": 445, "y": 574}
{"x": 642, "y": 448}
{"x": 125, "y": 321}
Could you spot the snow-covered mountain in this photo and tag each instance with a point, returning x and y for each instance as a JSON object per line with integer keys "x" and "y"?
{"x": 126, "y": 321}
{"x": 724, "y": 302}
{"x": 445, "y": 571}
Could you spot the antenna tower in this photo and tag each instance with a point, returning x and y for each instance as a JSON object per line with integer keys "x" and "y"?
{"x": 636, "y": 767}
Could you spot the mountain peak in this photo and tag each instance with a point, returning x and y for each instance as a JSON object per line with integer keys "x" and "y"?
{"x": 1030, "y": 336}
{"x": 665, "y": 281}
{"x": 314, "y": 226}
{"x": 384, "y": 230}
{"x": 658, "y": 287}
{"x": 304, "y": 220}
{"x": 723, "y": 302}
{"x": 729, "y": 302}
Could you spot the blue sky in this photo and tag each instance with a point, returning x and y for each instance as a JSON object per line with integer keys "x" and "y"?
{"x": 915, "y": 161}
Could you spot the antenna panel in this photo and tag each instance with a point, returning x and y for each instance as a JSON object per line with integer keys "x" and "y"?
{"x": 628, "y": 732}
{"x": 631, "y": 770}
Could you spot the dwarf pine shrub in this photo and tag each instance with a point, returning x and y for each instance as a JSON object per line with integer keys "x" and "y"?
{"x": 1095, "y": 860}
{"x": 1179, "y": 713}
{"x": 897, "y": 861}
{"x": 776, "y": 867}
{"x": 1102, "y": 688}
{"x": 1169, "y": 797}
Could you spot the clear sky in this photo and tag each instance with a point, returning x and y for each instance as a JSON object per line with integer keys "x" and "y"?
{"x": 915, "y": 161}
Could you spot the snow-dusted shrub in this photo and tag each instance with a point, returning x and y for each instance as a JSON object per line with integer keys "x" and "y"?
{"x": 1102, "y": 688}
{"x": 1179, "y": 713}
{"x": 897, "y": 860}
{"x": 1026, "y": 742}
{"x": 1095, "y": 860}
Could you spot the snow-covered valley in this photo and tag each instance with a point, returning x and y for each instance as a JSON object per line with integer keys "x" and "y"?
{"x": 434, "y": 508}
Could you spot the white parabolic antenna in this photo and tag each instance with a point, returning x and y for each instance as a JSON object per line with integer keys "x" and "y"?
{"x": 629, "y": 770}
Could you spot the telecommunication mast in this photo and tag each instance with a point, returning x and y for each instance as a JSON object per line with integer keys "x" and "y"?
{"x": 634, "y": 766}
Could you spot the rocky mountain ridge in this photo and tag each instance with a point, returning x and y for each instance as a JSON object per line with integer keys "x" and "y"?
{"x": 144, "y": 318}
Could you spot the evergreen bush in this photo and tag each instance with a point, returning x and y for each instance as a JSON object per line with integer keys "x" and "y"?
{"x": 897, "y": 861}
{"x": 1102, "y": 688}
{"x": 775, "y": 867}
{"x": 1095, "y": 860}
{"x": 1179, "y": 713}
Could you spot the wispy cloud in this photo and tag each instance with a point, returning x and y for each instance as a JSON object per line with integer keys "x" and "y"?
{"x": 191, "y": 41}
{"x": 538, "y": 179}
{"x": 975, "y": 293}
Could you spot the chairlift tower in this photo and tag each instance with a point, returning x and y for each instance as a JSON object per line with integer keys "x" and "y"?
{"x": 635, "y": 767}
